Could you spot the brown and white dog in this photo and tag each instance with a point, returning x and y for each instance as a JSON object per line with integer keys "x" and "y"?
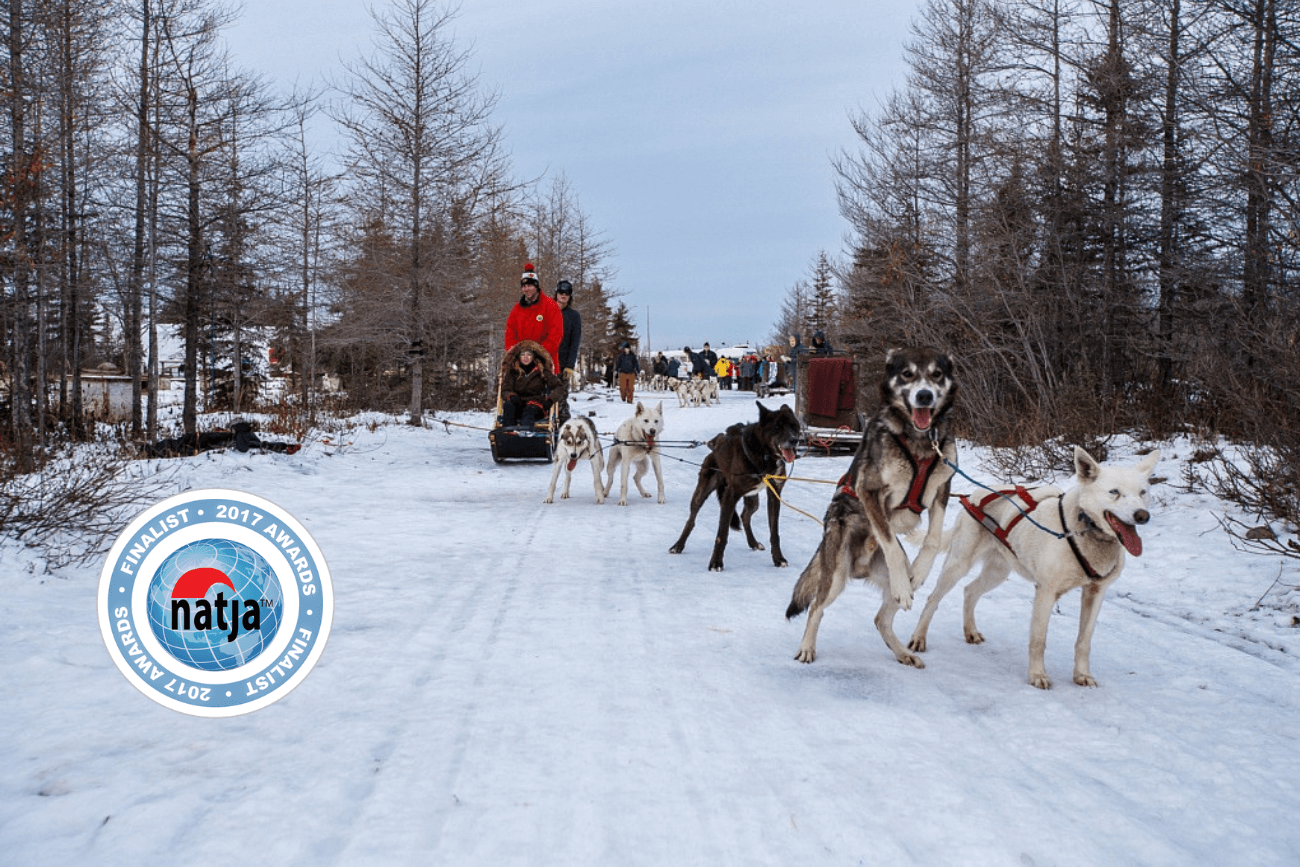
{"x": 902, "y": 470}
{"x": 577, "y": 441}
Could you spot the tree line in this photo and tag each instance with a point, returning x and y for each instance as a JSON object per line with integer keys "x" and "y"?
{"x": 148, "y": 182}
{"x": 1094, "y": 205}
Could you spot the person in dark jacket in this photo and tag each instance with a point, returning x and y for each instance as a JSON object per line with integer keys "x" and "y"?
{"x": 710, "y": 360}
{"x": 572, "y": 340}
{"x": 796, "y": 349}
{"x": 699, "y": 368}
{"x": 528, "y": 384}
{"x": 626, "y": 366}
{"x": 820, "y": 346}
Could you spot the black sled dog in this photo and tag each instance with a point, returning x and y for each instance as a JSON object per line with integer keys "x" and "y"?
{"x": 897, "y": 474}
{"x": 738, "y": 461}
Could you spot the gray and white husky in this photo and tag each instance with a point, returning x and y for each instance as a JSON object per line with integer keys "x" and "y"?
{"x": 636, "y": 442}
{"x": 577, "y": 441}
{"x": 1097, "y": 519}
{"x": 902, "y": 470}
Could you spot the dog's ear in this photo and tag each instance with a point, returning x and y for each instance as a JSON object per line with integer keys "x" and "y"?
{"x": 1085, "y": 466}
{"x": 763, "y": 412}
{"x": 1148, "y": 463}
{"x": 640, "y": 410}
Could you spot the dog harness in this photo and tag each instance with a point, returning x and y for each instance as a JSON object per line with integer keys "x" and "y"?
{"x": 921, "y": 472}
{"x": 990, "y": 523}
{"x": 1074, "y": 546}
{"x": 976, "y": 511}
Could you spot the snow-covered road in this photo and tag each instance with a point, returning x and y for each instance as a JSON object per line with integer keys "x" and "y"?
{"x": 509, "y": 682}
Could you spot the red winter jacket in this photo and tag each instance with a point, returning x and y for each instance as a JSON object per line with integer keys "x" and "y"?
{"x": 542, "y": 322}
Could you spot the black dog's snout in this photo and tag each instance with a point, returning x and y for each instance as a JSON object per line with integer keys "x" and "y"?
{"x": 1142, "y": 516}
{"x": 924, "y": 398}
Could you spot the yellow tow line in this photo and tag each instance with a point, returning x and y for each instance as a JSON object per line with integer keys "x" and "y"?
{"x": 767, "y": 480}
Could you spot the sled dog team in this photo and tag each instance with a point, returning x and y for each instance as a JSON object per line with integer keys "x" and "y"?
{"x": 903, "y": 470}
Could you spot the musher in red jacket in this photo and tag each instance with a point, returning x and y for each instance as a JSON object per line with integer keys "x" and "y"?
{"x": 536, "y": 317}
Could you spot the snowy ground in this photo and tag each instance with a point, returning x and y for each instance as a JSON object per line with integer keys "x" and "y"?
{"x": 509, "y": 682}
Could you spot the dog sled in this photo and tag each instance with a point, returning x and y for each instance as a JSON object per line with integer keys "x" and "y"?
{"x": 530, "y": 442}
{"x": 829, "y": 402}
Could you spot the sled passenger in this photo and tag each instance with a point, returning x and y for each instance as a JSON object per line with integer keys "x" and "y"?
{"x": 528, "y": 384}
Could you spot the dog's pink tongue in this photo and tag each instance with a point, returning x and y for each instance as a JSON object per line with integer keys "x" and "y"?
{"x": 789, "y": 455}
{"x": 650, "y": 440}
{"x": 921, "y": 419}
{"x": 1128, "y": 536}
{"x": 573, "y": 462}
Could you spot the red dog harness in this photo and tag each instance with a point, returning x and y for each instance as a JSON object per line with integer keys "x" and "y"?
{"x": 921, "y": 471}
{"x": 1001, "y": 533}
{"x": 990, "y": 523}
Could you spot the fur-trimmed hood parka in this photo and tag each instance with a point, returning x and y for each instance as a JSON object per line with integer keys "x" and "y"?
{"x": 533, "y": 381}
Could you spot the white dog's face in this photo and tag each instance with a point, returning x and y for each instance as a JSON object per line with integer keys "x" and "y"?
{"x": 1115, "y": 498}
{"x": 649, "y": 422}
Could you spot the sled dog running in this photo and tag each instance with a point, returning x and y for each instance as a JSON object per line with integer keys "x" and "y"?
{"x": 738, "y": 461}
{"x": 1089, "y": 528}
{"x": 578, "y": 441}
{"x": 636, "y": 442}
{"x": 901, "y": 470}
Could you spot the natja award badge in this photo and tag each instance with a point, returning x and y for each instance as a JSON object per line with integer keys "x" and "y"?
{"x": 215, "y": 603}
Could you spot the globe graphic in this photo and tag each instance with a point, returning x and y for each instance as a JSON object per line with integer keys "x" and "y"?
{"x": 208, "y": 565}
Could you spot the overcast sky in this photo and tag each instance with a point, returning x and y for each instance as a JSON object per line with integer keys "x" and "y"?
{"x": 697, "y": 134}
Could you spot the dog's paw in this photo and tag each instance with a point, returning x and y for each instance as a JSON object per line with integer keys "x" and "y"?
{"x": 564, "y": 496}
{"x": 646, "y": 494}
{"x": 549, "y": 500}
{"x": 909, "y": 659}
{"x": 780, "y": 562}
{"x": 1084, "y": 679}
{"x": 974, "y": 637}
{"x": 1040, "y": 680}
{"x": 757, "y": 546}
{"x": 715, "y": 565}
{"x": 917, "y": 644}
{"x": 806, "y": 654}
{"x": 662, "y": 500}
{"x": 904, "y": 600}
{"x": 623, "y": 502}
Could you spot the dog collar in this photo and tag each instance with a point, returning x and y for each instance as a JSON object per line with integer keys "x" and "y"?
{"x": 1074, "y": 546}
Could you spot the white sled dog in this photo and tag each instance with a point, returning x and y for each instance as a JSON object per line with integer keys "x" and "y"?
{"x": 578, "y": 441}
{"x": 902, "y": 469}
{"x": 1097, "y": 520}
{"x": 636, "y": 441}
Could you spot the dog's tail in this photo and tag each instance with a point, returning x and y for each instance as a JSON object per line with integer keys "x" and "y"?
{"x": 805, "y": 589}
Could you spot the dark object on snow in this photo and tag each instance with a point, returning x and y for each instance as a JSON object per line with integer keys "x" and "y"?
{"x": 245, "y": 439}
{"x": 242, "y": 437}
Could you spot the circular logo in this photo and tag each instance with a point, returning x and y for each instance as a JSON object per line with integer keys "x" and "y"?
{"x": 222, "y": 576}
{"x": 215, "y": 603}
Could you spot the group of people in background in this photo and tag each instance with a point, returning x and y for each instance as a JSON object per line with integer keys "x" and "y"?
{"x": 543, "y": 335}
